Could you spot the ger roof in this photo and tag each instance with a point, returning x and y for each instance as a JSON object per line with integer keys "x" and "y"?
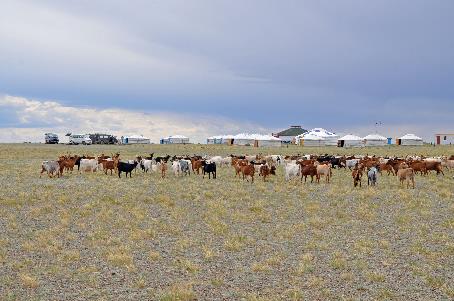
{"x": 221, "y": 137}
{"x": 320, "y": 132}
{"x": 292, "y": 131}
{"x": 176, "y": 137}
{"x": 410, "y": 137}
{"x": 136, "y": 137}
{"x": 350, "y": 137}
{"x": 311, "y": 137}
{"x": 374, "y": 137}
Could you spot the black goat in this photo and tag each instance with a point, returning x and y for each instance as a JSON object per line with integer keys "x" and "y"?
{"x": 162, "y": 159}
{"x": 209, "y": 168}
{"x": 126, "y": 168}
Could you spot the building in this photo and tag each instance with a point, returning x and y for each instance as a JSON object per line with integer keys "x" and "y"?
{"x": 135, "y": 139}
{"x": 175, "y": 139}
{"x": 289, "y": 135}
{"x": 409, "y": 139}
{"x": 375, "y": 140}
{"x": 328, "y": 138}
{"x": 444, "y": 139}
{"x": 350, "y": 141}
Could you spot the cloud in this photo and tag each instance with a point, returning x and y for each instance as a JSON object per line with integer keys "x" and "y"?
{"x": 90, "y": 52}
{"x": 29, "y": 119}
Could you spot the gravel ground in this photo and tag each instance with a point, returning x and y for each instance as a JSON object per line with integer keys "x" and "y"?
{"x": 97, "y": 237}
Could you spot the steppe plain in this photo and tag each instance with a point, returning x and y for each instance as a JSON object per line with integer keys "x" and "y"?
{"x": 97, "y": 237}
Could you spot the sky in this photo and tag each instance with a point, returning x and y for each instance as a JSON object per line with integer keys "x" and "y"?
{"x": 202, "y": 68}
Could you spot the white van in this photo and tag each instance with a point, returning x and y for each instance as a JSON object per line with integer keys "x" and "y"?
{"x": 79, "y": 139}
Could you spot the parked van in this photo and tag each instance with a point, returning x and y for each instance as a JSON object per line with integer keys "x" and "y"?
{"x": 79, "y": 139}
{"x": 51, "y": 138}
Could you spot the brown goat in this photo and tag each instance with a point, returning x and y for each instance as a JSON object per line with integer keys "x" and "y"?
{"x": 357, "y": 175}
{"x": 266, "y": 171}
{"x": 386, "y": 167}
{"x": 434, "y": 166}
{"x": 248, "y": 170}
{"x": 108, "y": 165}
{"x": 406, "y": 174}
{"x": 308, "y": 170}
{"x": 163, "y": 169}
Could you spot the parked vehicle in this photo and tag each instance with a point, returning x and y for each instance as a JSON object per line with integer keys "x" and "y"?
{"x": 51, "y": 138}
{"x": 103, "y": 139}
{"x": 79, "y": 139}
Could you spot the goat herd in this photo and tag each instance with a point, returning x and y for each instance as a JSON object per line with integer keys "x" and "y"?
{"x": 317, "y": 166}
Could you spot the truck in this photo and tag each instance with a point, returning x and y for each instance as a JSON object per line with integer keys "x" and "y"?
{"x": 51, "y": 138}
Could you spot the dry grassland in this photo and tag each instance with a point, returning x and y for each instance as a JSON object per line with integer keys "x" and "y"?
{"x": 97, "y": 237}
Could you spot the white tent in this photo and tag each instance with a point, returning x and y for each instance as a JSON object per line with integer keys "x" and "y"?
{"x": 255, "y": 140}
{"x": 175, "y": 139}
{"x": 311, "y": 140}
{"x": 227, "y": 139}
{"x": 350, "y": 141}
{"x": 328, "y": 137}
{"x": 214, "y": 140}
{"x": 243, "y": 139}
{"x": 135, "y": 139}
{"x": 220, "y": 139}
{"x": 409, "y": 139}
{"x": 375, "y": 140}
{"x": 267, "y": 140}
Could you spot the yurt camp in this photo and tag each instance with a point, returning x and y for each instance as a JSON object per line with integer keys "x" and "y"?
{"x": 175, "y": 139}
{"x": 310, "y": 140}
{"x": 350, "y": 141}
{"x": 375, "y": 140}
{"x": 135, "y": 139}
{"x": 409, "y": 139}
{"x": 328, "y": 138}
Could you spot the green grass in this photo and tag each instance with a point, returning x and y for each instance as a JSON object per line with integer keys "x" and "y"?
{"x": 98, "y": 237}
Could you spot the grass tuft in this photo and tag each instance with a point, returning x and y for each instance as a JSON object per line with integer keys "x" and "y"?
{"x": 178, "y": 292}
{"x": 28, "y": 281}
